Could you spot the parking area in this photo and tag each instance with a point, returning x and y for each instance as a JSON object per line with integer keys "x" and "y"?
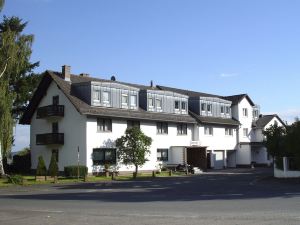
{"x": 235, "y": 196}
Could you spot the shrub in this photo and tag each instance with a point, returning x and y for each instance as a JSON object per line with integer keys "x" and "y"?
{"x": 71, "y": 171}
{"x": 15, "y": 179}
{"x": 41, "y": 168}
{"x": 53, "y": 167}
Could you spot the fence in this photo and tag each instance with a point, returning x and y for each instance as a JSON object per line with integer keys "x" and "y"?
{"x": 287, "y": 167}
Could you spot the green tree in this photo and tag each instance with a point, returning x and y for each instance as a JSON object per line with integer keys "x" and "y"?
{"x": 41, "y": 169}
{"x": 133, "y": 148}
{"x": 275, "y": 140}
{"x": 293, "y": 142}
{"x": 53, "y": 167}
{"x": 17, "y": 81}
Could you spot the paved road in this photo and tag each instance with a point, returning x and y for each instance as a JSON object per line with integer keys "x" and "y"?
{"x": 239, "y": 196}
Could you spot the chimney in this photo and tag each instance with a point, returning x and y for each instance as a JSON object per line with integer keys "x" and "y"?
{"x": 84, "y": 75}
{"x": 260, "y": 115}
{"x": 66, "y": 72}
{"x": 151, "y": 83}
{"x": 113, "y": 78}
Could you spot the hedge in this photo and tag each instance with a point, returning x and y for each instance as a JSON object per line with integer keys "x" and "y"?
{"x": 71, "y": 171}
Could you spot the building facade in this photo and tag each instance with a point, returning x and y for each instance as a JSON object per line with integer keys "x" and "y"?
{"x": 78, "y": 118}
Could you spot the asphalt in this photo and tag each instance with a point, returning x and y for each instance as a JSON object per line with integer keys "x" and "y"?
{"x": 237, "y": 196}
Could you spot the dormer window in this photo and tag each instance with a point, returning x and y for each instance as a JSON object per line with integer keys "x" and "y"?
{"x": 106, "y": 97}
{"x": 176, "y": 105}
{"x": 203, "y": 107}
{"x": 150, "y": 102}
{"x": 124, "y": 99}
{"x": 222, "y": 109}
{"x": 133, "y": 100}
{"x": 97, "y": 95}
{"x": 209, "y": 108}
{"x": 227, "y": 110}
{"x": 158, "y": 103}
{"x": 183, "y": 106}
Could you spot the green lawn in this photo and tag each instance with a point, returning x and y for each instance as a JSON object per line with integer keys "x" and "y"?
{"x": 30, "y": 180}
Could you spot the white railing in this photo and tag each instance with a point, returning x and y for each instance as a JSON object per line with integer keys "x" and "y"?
{"x": 195, "y": 143}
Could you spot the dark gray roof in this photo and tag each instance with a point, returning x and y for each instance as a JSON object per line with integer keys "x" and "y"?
{"x": 264, "y": 120}
{"x": 187, "y": 92}
{"x": 215, "y": 120}
{"x": 86, "y": 109}
{"x": 235, "y": 99}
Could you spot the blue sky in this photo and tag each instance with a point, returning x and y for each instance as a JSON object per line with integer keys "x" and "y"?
{"x": 215, "y": 46}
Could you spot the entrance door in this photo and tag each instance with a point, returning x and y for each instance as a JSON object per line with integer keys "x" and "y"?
{"x": 218, "y": 159}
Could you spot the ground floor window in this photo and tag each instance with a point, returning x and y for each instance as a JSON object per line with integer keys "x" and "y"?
{"x": 162, "y": 154}
{"x": 103, "y": 156}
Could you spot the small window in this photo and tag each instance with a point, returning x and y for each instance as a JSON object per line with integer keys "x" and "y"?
{"x": 133, "y": 123}
{"x": 162, "y": 154}
{"x": 150, "y": 102}
{"x": 245, "y": 132}
{"x": 105, "y": 97}
{"x": 183, "y": 106}
{"x": 227, "y": 110}
{"x": 103, "y": 156}
{"x": 177, "y": 105}
{"x": 209, "y": 108}
{"x": 97, "y": 95}
{"x": 55, "y": 100}
{"x": 222, "y": 109}
{"x": 104, "y": 125}
{"x": 203, "y": 107}
{"x": 55, "y": 127}
{"x": 275, "y": 123}
{"x": 228, "y": 131}
{"x": 162, "y": 128}
{"x": 125, "y": 99}
{"x": 158, "y": 103}
{"x": 133, "y": 100}
{"x": 182, "y": 129}
{"x": 55, "y": 153}
{"x": 208, "y": 130}
{"x": 245, "y": 112}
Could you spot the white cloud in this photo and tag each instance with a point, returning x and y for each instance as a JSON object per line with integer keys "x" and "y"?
{"x": 227, "y": 75}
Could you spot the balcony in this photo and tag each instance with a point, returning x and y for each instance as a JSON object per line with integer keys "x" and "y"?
{"x": 50, "y": 139}
{"x": 50, "y": 111}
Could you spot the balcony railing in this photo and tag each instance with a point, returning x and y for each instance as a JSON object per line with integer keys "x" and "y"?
{"x": 50, "y": 111}
{"x": 50, "y": 139}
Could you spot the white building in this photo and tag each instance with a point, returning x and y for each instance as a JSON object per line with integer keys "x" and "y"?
{"x": 70, "y": 113}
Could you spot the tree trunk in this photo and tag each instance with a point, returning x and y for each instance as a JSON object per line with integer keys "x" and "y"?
{"x": 2, "y": 172}
{"x": 136, "y": 171}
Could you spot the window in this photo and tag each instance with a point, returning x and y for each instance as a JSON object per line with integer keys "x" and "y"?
{"x": 55, "y": 153}
{"x": 133, "y": 123}
{"x": 209, "y": 108}
{"x": 133, "y": 100}
{"x": 182, "y": 129}
{"x": 158, "y": 103}
{"x": 203, "y": 106}
{"x": 255, "y": 113}
{"x": 275, "y": 123}
{"x": 104, "y": 125}
{"x": 177, "y": 105}
{"x": 228, "y": 131}
{"x": 162, "y": 154}
{"x": 97, "y": 95}
{"x": 183, "y": 106}
{"x": 150, "y": 102}
{"x": 162, "y": 128}
{"x": 104, "y": 155}
{"x": 55, "y": 127}
{"x": 208, "y": 130}
{"x": 227, "y": 110}
{"x": 125, "y": 99}
{"x": 245, "y": 112}
{"x": 222, "y": 109}
{"x": 245, "y": 132}
{"x": 55, "y": 100}
{"x": 105, "y": 97}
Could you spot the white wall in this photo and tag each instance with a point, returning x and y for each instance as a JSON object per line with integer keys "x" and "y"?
{"x": 99, "y": 139}
{"x": 72, "y": 125}
{"x": 243, "y": 155}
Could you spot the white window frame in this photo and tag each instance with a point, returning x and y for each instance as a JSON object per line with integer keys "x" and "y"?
{"x": 185, "y": 106}
{"x": 245, "y": 112}
{"x": 228, "y": 131}
{"x": 151, "y": 100}
{"x": 157, "y": 100}
{"x": 204, "y": 106}
{"x": 177, "y": 101}
{"x": 208, "y": 130}
{"x": 209, "y": 105}
{"x": 97, "y": 95}
{"x": 108, "y": 97}
{"x": 222, "y": 108}
{"x": 125, "y": 103}
{"x": 133, "y": 97}
{"x": 245, "y": 132}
